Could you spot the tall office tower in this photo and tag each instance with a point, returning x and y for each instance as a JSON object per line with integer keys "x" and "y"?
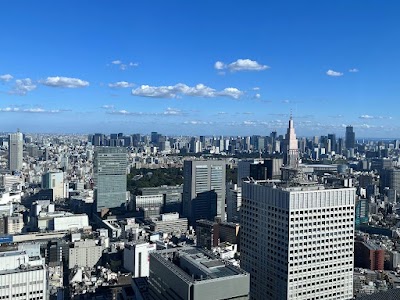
{"x": 291, "y": 158}
{"x": 244, "y": 168}
{"x": 54, "y": 181}
{"x": 22, "y": 276}
{"x": 332, "y": 138}
{"x": 110, "y": 177}
{"x": 297, "y": 240}
{"x": 350, "y": 138}
{"x": 98, "y": 139}
{"x": 15, "y": 148}
{"x": 204, "y": 189}
{"x": 233, "y": 202}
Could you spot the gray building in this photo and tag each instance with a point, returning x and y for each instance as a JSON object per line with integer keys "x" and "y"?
{"x": 350, "y": 139}
{"x": 193, "y": 274}
{"x": 390, "y": 178}
{"x": 172, "y": 197}
{"x": 204, "y": 189}
{"x": 110, "y": 165}
{"x": 15, "y": 149}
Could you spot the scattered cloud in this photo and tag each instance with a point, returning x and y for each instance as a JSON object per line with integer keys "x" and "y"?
{"x": 108, "y": 106}
{"x": 121, "y": 84}
{"x": 285, "y": 101}
{"x": 219, "y": 65}
{"x": 249, "y": 123}
{"x": 175, "y": 91}
{"x": 241, "y": 65}
{"x": 29, "y": 110}
{"x": 353, "y": 70}
{"x": 369, "y": 117}
{"x": 256, "y": 88}
{"x": 23, "y": 86}
{"x": 172, "y": 112}
{"x": 195, "y": 122}
{"x": 334, "y": 73}
{"x": 64, "y": 82}
{"x": 366, "y": 117}
{"x": 6, "y": 77}
{"x": 168, "y": 112}
{"x": 123, "y": 66}
{"x": 257, "y": 96}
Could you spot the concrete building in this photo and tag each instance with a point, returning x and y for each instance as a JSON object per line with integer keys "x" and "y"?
{"x": 55, "y": 182}
{"x": 85, "y": 253}
{"x": 15, "y": 150}
{"x": 193, "y": 274}
{"x": 291, "y": 154}
{"x": 109, "y": 169}
{"x": 204, "y": 189}
{"x": 297, "y": 240}
{"x": 22, "y": 276}
{"x": 172, "y": 197}
{"x": 233, "y": 202}
{"x": 149, "y": 205}
{"x": 14, "y": 224}
{"x": 207, "y": 234}
{"x": 169, "y": 223}
{"x": 369, "y": 255}
{"x": 136, "y": 258}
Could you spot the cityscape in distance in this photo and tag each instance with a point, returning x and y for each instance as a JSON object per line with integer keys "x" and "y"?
{"x": 202, "y": 150}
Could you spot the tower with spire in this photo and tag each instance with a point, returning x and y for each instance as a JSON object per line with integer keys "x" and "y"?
{"x": 291, "y": 157}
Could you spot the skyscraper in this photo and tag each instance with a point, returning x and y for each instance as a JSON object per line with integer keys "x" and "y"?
{"x": 110, "y": 177}
{"x": 292, "y": 151}
{"x": 350, "y": 138}
{"x": 204, "y": 189}
{"x": 15, "y": 148}
{"x": 297, "y": 240}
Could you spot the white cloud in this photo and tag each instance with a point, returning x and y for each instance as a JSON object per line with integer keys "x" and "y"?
{"x": 249, "y": 123}
{"x": 168, "y": 112}
{"x": 123, "y": 66}
{"x": 257, "y": 96}
{"x": 108, "y": 106}
{"x": 256, "y": 88}
{"x": 172, "y": 112}
{"x": 241, "y": 65}
{"x": 64, "y": 82}
{"x": 230, "y": 92}
{"x": 366, "y": 117}
{"x": 6, "y": 77}
{"x": 200, "y": 90}
{"x": 219, "y": 65}
{"x": 23, "y": 86}
{"x": 333, "y": 73}
{"x": 246, "y": 65}
{"x": 195, "y": 122}
{"x": 353, "y": 70}
{"x": 121, "y": 84}
{"x": 29, "y": 110}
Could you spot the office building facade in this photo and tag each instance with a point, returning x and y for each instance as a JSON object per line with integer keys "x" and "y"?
{"x": 204, "y": 189}
{"x": 110, "y": 165}
{"x": 297, "y": 241}
{"x": 15, "y": 151}
{"x": 22, "y": 276}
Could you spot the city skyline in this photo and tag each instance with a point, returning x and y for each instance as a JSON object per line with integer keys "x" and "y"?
{"x": 211, "y": 69}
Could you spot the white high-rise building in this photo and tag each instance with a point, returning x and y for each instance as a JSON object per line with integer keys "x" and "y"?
{"x": 15, "y": 149}
{"x": 22, "y": 276}
{"x": 297, "y": 240}
{"x": 292, "y": 150}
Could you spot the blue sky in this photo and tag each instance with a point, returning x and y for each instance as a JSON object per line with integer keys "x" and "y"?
{"x": 200, "y": 67}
